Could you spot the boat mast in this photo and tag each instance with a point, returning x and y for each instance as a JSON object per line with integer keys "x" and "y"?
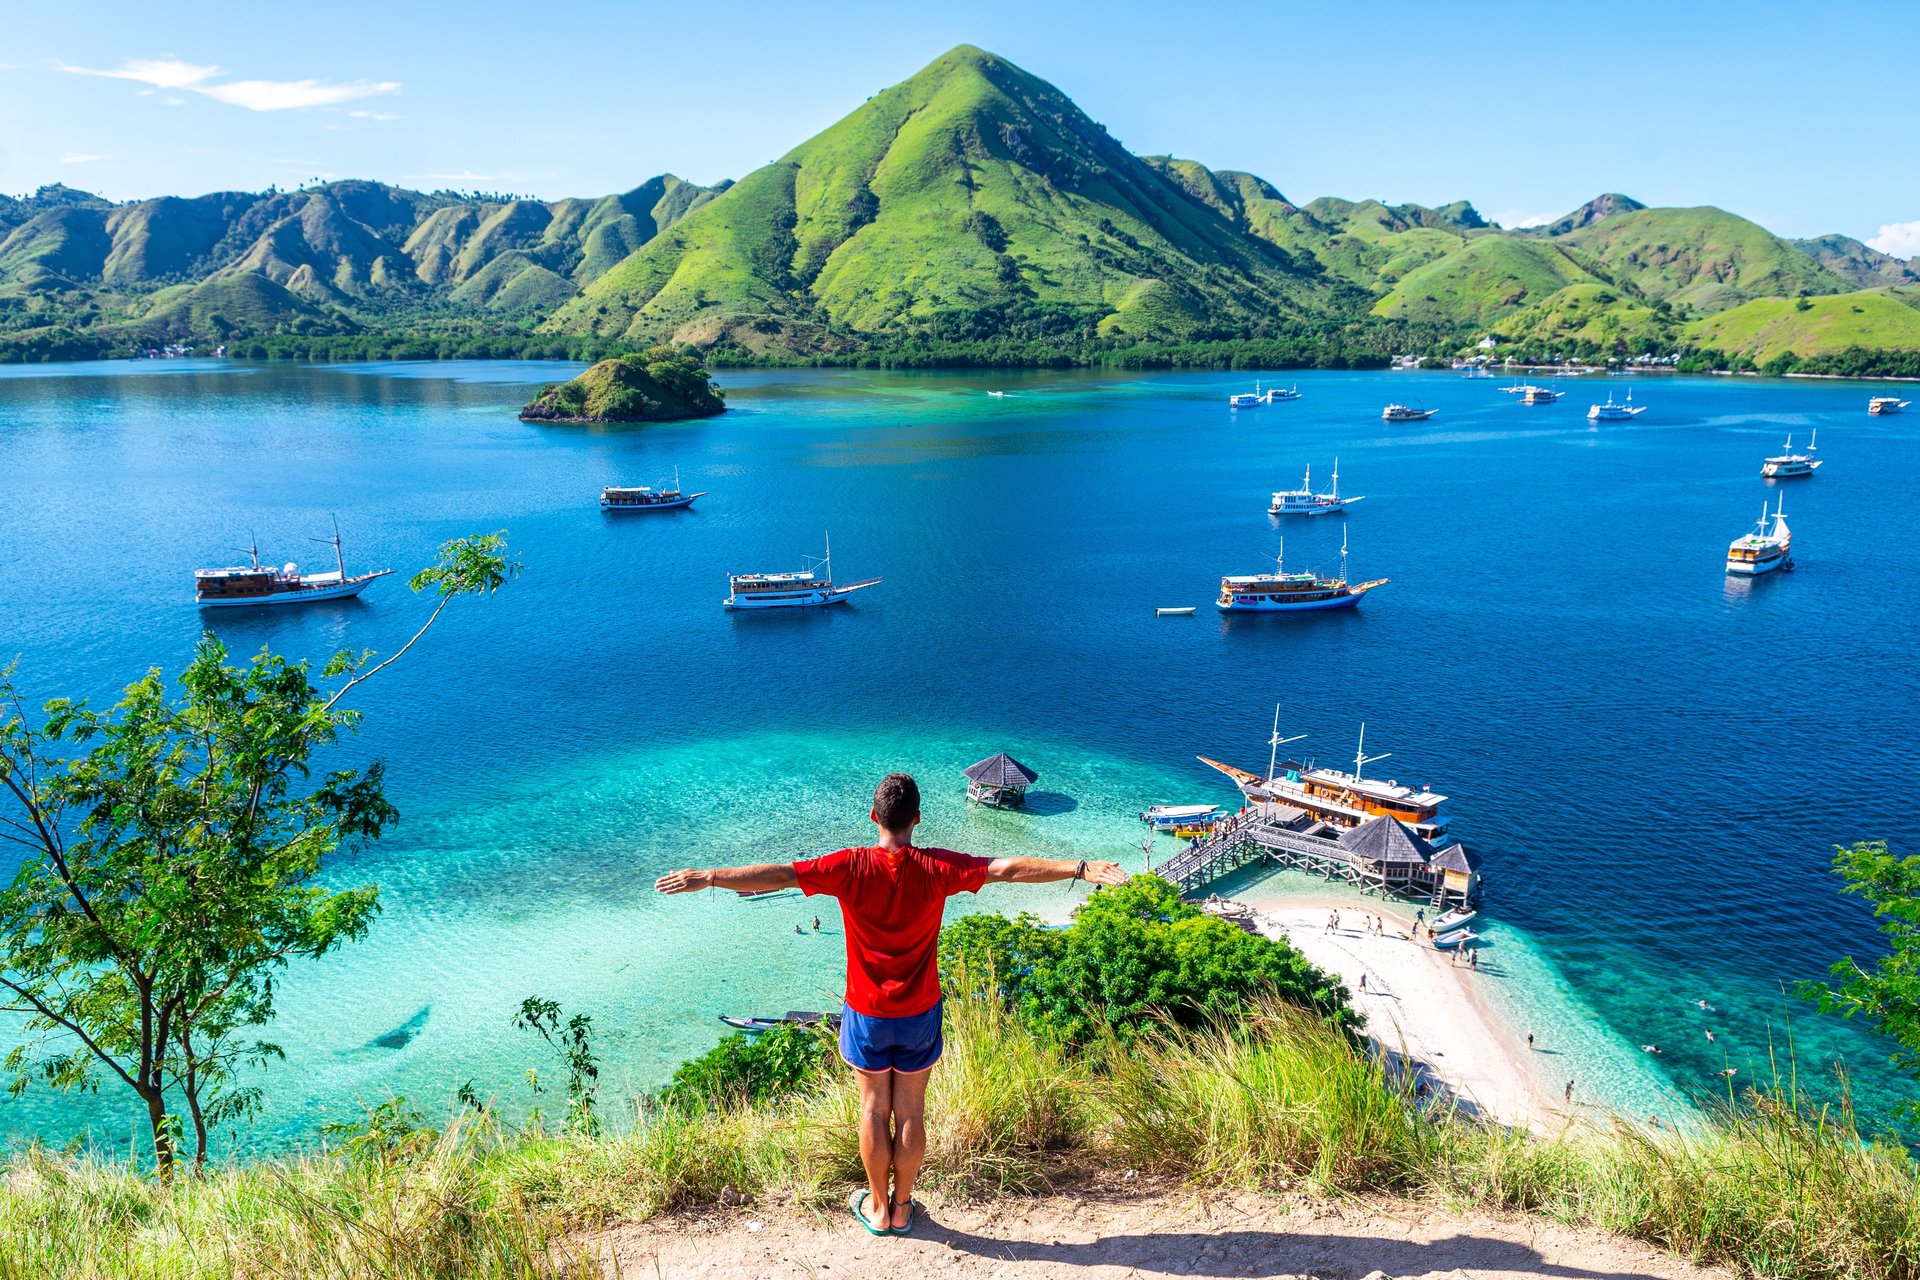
{"x": 1276, "y": 742}
{"x": 1343, "y": 555}
{"x": 339, "y": 557}
{"x": 1814, "y": 443}
{"x": 827, "y": 564}
{"x": 1335, "y": 495}
{"x": 1360, "y": 757}
{"x": 676, "y": 478}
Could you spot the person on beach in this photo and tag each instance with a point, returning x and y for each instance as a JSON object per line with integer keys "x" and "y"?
{"x": 1569, "y": 1091}
{"x": 1529, "y": 1042}
{"x": 892, "y": 895}
{"x": 1363, "y": 984}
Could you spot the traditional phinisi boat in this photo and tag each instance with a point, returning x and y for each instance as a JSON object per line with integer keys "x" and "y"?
{"x": 1283, "y": 592}
{"x": 1763, "y": 550}
{"x": 1886, "y": 404}
{"x": 1305, "y": 502}
{"x": 1787, "y": 465}
{"x": 644, "y": 498}
{"x": 255, "y": 583}
{"x": 805, "y": 588}
{"x": 1340, "y": 798}
{"x": 1612, "y": 412}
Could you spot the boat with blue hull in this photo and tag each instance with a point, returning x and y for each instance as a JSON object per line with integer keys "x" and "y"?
{"x": 1283, "y": 592}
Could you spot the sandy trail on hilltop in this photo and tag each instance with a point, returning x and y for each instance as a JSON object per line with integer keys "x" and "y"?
{"x": 1131, "y": 1232}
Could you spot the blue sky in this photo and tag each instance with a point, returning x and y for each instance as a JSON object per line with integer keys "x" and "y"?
{"x": 1786, "y": 114}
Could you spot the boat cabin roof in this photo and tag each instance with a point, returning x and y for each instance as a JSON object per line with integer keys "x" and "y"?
{"x": 797, "y": 578}
{"x": 1378, "y": 789}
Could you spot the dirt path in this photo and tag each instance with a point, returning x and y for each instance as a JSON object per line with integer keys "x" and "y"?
{"x": 1106, "y": 1235}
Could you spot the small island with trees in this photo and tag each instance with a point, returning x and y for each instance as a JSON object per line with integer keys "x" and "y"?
{"x": 657, "y": 385}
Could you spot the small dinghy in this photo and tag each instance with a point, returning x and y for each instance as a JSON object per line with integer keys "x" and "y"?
{"x": 792, "y": 1018}
{"x": 1183, "y": 611}
{"x": 1459, "y": 937}
{"x": 1455, "y": 919}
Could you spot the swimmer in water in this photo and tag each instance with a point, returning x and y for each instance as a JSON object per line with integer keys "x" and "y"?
{"x": 1704, "y": 1006}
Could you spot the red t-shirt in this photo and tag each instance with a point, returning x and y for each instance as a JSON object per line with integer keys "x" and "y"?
{"x": 890, "y": 906}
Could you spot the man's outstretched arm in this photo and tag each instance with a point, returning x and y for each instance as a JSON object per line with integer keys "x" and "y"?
{"x": 755, "y": 879}
{"x": 1045, "y": 870}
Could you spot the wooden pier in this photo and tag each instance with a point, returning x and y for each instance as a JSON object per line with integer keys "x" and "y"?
{"x": 1379, "y": 856}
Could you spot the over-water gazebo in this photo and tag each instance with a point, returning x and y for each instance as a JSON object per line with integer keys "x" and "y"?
{"x": 999, "y": 780}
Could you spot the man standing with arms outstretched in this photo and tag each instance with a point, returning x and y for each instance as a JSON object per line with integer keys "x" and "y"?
{"x": 891, "y": 897}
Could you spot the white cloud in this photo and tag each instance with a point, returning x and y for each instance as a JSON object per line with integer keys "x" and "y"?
{"x": 83, "y": 157}
{"x": 1901, "y": 239}
{"x": 1515, "y": 219}
{"x": 161, "y": 73}
{"x": 287, "y": 95}
{"x": 373, "y": 115}
{"x": 254, "y": 95}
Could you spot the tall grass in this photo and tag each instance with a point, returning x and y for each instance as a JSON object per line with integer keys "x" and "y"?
{"x": 1277, "y": 1101}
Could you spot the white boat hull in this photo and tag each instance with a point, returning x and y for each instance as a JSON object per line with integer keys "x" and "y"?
{"x": 340, "y": 591}
{"x": 1754, "y": 568}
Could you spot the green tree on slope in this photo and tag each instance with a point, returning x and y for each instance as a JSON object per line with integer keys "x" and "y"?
{"x": 170, "y": 851}
{"x": 1885, "y": 991}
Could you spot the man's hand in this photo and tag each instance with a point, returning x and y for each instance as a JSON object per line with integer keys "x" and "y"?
{"x": 1105, "y": 873}
{"x": 689, "y": 880}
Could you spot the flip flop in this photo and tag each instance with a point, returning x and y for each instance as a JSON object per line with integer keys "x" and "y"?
{"x": 855, "y": 1199}
{"x": 913, "y": 1212}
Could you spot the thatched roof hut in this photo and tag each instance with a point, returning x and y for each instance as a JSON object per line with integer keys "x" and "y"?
{"x": 999, "y": 780}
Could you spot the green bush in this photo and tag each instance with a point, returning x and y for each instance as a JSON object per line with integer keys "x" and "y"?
{"x": 750, "y": 1069}
{"x": 1135, "y": 957}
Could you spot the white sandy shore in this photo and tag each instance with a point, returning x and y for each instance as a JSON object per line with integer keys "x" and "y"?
{"x": 1418, "y": 1004}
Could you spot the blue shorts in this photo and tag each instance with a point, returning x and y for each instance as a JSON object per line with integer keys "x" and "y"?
{"x": 890, "y": 1044}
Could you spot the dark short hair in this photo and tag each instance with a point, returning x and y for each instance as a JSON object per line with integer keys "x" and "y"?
{"x": 896, "y": 802}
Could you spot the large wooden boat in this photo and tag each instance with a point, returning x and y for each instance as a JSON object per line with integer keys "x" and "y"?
{"x": 1787, "y": 465}
{"x": 618, "y": 498}
{"x": 1305, "y": 502}
{"x": 806, "y": 588}
{"x": 1885, "y": 404}
{"x": 255, "y": 583}
{"x": 1764, "y": 550}
{"x": 1283, "y": 592}
{"x": 1338, "y": 797}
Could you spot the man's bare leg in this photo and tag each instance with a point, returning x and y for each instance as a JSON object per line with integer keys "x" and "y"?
{"x": 909, "y": 1138}
{"x": 876, "y": 1140}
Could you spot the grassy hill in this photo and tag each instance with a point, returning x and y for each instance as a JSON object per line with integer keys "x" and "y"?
{"x": 971, "y": 186}
{"x": 1863, "y": 267}
{"x": 1702, "y": 260}
{"x": 1768, "y": 327}
{"x": 1483, "y": 280}
{"x": 971, "y": 212}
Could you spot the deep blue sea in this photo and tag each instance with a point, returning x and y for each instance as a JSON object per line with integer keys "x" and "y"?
{"x": 1655, "y": 760}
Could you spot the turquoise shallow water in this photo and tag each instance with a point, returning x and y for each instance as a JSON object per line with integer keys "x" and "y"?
{"x": 1653, "y": 760}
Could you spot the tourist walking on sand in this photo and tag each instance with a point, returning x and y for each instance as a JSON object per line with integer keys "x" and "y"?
{"x": 892, "y": 896}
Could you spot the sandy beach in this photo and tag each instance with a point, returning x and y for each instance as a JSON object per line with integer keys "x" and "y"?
{"x": 1418, "y": 1003}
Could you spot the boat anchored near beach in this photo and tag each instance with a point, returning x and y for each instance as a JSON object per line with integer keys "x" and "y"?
{"x": 1612, "y": 412}
{"x": 255, "y": 583}
{"x": 1539, "y": 395}
{"x": 806, "y": 588}
{"x": 1283, "y": 592}
{"x": 1405, "y": 413}
{"x": 645, "y": 498}
{"x": 1787, "y": 465}
{"x": 1305, "y": 502}
{"x": 1764, "y": 550}
{"x": 1337, "y": 797}
{"x": 1886, "y": 404}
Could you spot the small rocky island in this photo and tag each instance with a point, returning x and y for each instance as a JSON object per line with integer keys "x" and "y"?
{"x": 658, "y": 385}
